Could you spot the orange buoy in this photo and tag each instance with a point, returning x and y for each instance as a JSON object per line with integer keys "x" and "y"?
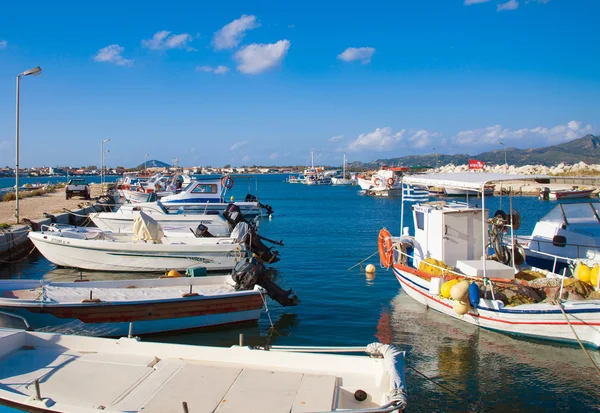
{"x": 385, "y": 247}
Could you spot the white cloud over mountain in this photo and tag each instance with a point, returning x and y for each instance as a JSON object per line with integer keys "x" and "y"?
{"x": 468, "y": 140}
{"x": 112, "y": 54}
{"x": 257, "y": 58}
{"x": 231, "y": 34}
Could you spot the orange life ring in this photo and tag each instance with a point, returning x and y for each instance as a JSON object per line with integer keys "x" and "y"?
{"x": 377, "y": 181}
{"x": 390, "y": 181}
{"x": 385, "y": 247}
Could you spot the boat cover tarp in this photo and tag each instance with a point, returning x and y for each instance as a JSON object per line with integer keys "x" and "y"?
{"x": 466, "y": 180}
{"x": 145, "y": 228}
{"x": 69, "y": 295}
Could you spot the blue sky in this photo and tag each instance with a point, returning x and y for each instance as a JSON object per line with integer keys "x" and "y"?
{"x": 242, "y": 82}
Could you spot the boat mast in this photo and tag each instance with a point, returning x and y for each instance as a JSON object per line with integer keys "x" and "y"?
{"x": 344, "y": 175}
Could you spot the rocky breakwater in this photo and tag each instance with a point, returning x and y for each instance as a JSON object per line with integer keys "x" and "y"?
{"x": 35, "y": 212}
{"x": 560, "y": 177}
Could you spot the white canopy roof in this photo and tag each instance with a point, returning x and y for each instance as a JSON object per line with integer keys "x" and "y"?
{"x": 465, "y": 180}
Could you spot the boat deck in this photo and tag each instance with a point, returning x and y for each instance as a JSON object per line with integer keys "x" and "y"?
{"x": 125, "y": 382}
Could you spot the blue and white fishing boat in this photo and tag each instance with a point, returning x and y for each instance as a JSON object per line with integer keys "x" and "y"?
{"x": 208, "y": 194}
{"x": 455, "y": 241}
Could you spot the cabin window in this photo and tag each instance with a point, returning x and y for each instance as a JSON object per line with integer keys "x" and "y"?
{"x": 205, "y": 188}
{"x": 420, "y": 220}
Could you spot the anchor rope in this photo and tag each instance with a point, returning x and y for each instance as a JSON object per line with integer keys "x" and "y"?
{"x": 562, "y": 309}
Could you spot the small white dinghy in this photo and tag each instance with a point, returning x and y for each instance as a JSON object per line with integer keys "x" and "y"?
{"x": 59, "y": 373}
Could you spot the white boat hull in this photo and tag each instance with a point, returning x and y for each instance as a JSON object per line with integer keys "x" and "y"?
{"x": 543, "y": 321}
{"x": 106, "y": 255}
{"x": 342, "y": 181}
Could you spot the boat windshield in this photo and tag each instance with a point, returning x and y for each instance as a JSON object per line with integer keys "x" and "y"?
{"x": 579, "y": 216}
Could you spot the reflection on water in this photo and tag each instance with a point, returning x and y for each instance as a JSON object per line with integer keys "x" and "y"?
{"x": 326, "y": 231}
{"x": 488, "y": 370}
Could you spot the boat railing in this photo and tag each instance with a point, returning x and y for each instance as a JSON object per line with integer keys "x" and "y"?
{"x": 20, "y": 317}
{"x": 539, "y": 242}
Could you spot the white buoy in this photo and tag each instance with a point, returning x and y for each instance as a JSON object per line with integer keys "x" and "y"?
{"x": 370, "y": 269}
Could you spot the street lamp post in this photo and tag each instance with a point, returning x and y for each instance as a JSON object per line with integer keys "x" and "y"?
{"x": 102, "y": 162}
{"x": 505, "y": 159}
{"x": 145, "y": 157}
{"x": 35, "y": 71}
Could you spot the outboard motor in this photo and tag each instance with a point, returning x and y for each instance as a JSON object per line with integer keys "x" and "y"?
{"x": 545, "y": 193}
{"x": 251, "y": 198}
{"x": 250, "y": 272}
{"x": 254, "y": 241}
{"x": 202, "y": 232}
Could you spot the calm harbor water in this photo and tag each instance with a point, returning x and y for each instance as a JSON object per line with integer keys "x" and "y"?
{"x": 326, "y": 230}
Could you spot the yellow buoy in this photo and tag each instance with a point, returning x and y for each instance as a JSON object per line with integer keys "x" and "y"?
{"x": 594, "y": 276}
{"x": 583, "y": 273}
{"x": 231, "y": 198}
{"x": 174, "y": 273}
{"x": 370, "y": 269}
{"x": 446, "y": 287}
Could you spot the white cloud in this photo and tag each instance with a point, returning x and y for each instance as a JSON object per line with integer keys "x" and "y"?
{"x": 536, "y": 137}
{"x": 336, "y": 138}
{"x": 238, "y": 145}
{"x": 257, "y": 58}
{"x": 219, "y": 70}
{"x": 380, "y": 139}
{"x": 232, "y": 33}
{"x": 273, "y": 155}
{"x": 164, "y": 40}
{"x": 470, "y": 2}
{"x": 112, "y": 54}
{"x": 3, "y": 44}
{"x": 363, "y": 54}
{"x": 509, "y": 5}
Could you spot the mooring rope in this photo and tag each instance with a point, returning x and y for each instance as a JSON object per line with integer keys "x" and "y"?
{"x": 19, "y": 260}
{"x": 449, "y": 390}
{"x": 562, "y": 309}
{"x": 360, "y": 262}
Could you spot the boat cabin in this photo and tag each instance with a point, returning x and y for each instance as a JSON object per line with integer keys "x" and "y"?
{"x": 200, "y": 191}
{"x": 448, "y": 232}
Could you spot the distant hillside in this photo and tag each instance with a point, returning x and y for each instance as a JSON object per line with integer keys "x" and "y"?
{"x": 153, "y": 164}
{"x": 586, "y": 149}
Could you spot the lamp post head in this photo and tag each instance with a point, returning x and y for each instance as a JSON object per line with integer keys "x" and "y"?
{"x": 36, "y": 71}
{"x": 106, "y": 140}
{"x": 501, "y": 143}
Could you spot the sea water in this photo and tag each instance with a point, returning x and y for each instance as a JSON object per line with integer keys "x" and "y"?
{"x": 451, "y": 366}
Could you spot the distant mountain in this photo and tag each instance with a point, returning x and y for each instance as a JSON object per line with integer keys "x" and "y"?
{"x": 153, "y": 164}
{"x": 586, "y": 149}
